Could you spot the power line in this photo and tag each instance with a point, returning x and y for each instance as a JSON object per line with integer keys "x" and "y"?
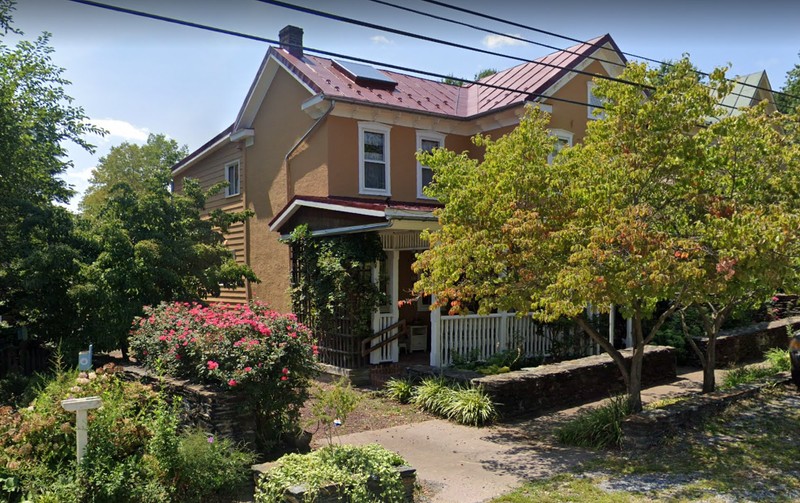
{"x": 572, "y": 39}
{"x": 419, "y": 36}
{"x": 331, "y": 54}
{"x": 366, "y": 24}
{"x": 493, "y": 32}
{"x": 256, "y": 38}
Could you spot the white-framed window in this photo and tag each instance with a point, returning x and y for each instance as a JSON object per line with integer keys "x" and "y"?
{"x": 426, "y": 141}
{"x": 232, "y": 177}
{"x": 373, "y": 159}
{"x": 563, "y": 139}
{"x": 593, "y": 112}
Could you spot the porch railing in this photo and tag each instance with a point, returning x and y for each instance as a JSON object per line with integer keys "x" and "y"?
{"x": 384, "y": 342}
{"x": 481, "y": 336}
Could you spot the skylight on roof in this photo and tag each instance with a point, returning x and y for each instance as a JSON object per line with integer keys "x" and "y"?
{"x": 364, "y": 74}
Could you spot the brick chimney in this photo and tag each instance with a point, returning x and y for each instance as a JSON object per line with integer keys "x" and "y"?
{"x": 291, "y": 38}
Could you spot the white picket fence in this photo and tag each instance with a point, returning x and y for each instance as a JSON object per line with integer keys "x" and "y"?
{"x": 482, "y": 336}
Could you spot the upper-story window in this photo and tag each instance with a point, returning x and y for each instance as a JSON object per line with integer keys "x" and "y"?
{"x": 373, "y": 159}
{"x": 593, "y": 110}
{"x": 232, "y": 177}
{"x": 563, "y": 139}
{"x": 426, "y": 141}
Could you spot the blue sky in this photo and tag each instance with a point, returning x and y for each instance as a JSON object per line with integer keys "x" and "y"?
{"x": 134, "y": 76}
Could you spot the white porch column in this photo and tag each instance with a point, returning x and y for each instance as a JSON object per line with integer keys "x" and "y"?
{"x": 611, "y": 316}
{"x": 395, "y": 282}
{"x": 376, "y": 280}
{"x": 436, "y": 355}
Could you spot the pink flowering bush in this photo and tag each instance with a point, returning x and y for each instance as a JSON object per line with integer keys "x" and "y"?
{"x": 263, "y": 356}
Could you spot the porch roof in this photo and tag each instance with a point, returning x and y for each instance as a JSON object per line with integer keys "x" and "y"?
{"x": 350, "y": 214}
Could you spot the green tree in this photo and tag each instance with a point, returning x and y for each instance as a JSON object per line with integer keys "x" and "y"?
{"x": 605, "y": 224}
{"x": 132, "y": 164}
{"x": 150, "y": 246}
{"x": 788, "y": 104}
{"x": 485, "y": 73}
{"x": 37, "y": 120}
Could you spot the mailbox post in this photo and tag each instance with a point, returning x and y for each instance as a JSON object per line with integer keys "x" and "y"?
{"x": 80, "y": 406}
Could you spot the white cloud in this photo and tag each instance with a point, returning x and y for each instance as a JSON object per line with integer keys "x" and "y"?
{"x": 121, "y": 129}
{"x": 380, "y": 39}
{"x": 496, "y": 41}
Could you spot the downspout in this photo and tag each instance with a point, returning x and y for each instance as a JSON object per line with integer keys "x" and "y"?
{"x": 296, "y": 145}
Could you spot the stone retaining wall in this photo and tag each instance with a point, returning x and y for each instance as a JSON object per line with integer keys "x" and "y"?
{"x": 649, "y": 428}
{"x": 538, "y": 389}
{"x": 751, "y": 342}
{"x": 217, "y": 412}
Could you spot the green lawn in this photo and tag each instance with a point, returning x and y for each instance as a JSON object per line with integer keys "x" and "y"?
{"x": 751, "y": 452}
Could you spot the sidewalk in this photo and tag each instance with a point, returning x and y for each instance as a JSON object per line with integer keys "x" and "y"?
{"x": 460, "y": 464}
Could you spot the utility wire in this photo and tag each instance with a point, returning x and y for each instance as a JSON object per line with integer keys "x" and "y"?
{"x": 493, "y": 32}
{"x": 256, "y": 38}
{"x": 366, "y": 24}
{"x": 572, "y": 39}
{"x": 419, "y": 36}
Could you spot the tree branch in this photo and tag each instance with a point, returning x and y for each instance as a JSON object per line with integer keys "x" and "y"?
{"x": 603, "y": 342}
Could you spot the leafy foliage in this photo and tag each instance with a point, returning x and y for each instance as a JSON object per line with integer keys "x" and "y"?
{"x": 149, "y": 247}
{"x": 264, "y": 356}
{"x": 354, "y": 469}
{"x": 599, "y": 427}
{"x": 134, "y": 165}
{"x": 777, "y": 361}
{"x": 333, "y": 279}
{"x": 400, "y": 390}
{"x": 135, "y": 452}
{"x": 653, "y": 207}
{"x": 789, "y": 104}
{"x": 334, "y": 405}
{"x": 37, "y": 121}
{"x": 432, "y": 395}
{"x": 462, "y": 404}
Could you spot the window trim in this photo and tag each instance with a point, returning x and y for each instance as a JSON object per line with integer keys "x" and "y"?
{"x": 560, "y": 134}
{"x": 430, "y": 136}
{"x": 238, "y": 165}
{"x": 374, "y": 127}
{"x": 591, "y": 108}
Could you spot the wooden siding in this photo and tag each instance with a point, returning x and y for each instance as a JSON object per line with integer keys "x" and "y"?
{"x": 208, "y": 172}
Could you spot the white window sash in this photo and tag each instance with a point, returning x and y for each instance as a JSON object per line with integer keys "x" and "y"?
{"x": 431, "y": 136}
{"x": 378, "y": 128}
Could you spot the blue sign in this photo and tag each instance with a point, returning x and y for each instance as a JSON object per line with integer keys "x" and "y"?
{"x": 85, "y": 359}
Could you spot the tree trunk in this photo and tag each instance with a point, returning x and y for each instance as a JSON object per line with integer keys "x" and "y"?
{"x": 709, "y": 379}
{"x": 607, "y": 347}
{"x": 635, "y": 385}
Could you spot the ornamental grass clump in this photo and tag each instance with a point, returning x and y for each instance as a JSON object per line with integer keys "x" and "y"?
{"x": 263, "y": 356}
{"x": 362, "y": 474}
{"x": 470, "y": 406}
{"x": 598, "y": 428}
{"x": 400, "y": 390}
{"x": 433, "y": 395}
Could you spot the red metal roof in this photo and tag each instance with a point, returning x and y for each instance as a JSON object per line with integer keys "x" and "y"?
{"x": 429, "y": 96}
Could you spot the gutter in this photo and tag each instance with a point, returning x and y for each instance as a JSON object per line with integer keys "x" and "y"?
{"x": 300, "y": 142}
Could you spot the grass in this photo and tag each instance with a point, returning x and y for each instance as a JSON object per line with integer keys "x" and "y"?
{"x": 776, "y": 361}
{"x": 748, "y": 453}
{"x": 596, "y": 428}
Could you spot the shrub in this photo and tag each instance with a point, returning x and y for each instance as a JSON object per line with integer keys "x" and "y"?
{"x": 779, "y": 359}
{"x": 399, "y": 389}
{"x": 135, "y": 452}
{"x": 363, "y": 473}
{"x": 259, "y": 354}
{"x": 433, "y": 395}
{"x": 597, "y": 428}
{"x": 333, "y": 405}
{"x": 470, "y": 406}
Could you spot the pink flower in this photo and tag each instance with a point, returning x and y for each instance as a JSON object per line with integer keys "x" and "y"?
{"x": 162, "y": 338}
{"x": 248, "y": 369}
{"x": 775, "y": 299}
{"x": 285, "y": 371}
{"x": 283, "y": 378}
{"x": 212, "y": 365}
{"x": 232, "y": 382}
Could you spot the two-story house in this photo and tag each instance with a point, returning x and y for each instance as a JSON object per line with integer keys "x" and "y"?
{"x": 332, "y": 144}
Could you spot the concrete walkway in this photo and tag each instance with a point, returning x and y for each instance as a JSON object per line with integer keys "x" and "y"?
{"x": 459, "y": 464}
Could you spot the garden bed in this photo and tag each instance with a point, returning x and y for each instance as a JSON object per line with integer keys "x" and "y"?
{"x": 649, "y": 428}
{"x": 751, "y": 342}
